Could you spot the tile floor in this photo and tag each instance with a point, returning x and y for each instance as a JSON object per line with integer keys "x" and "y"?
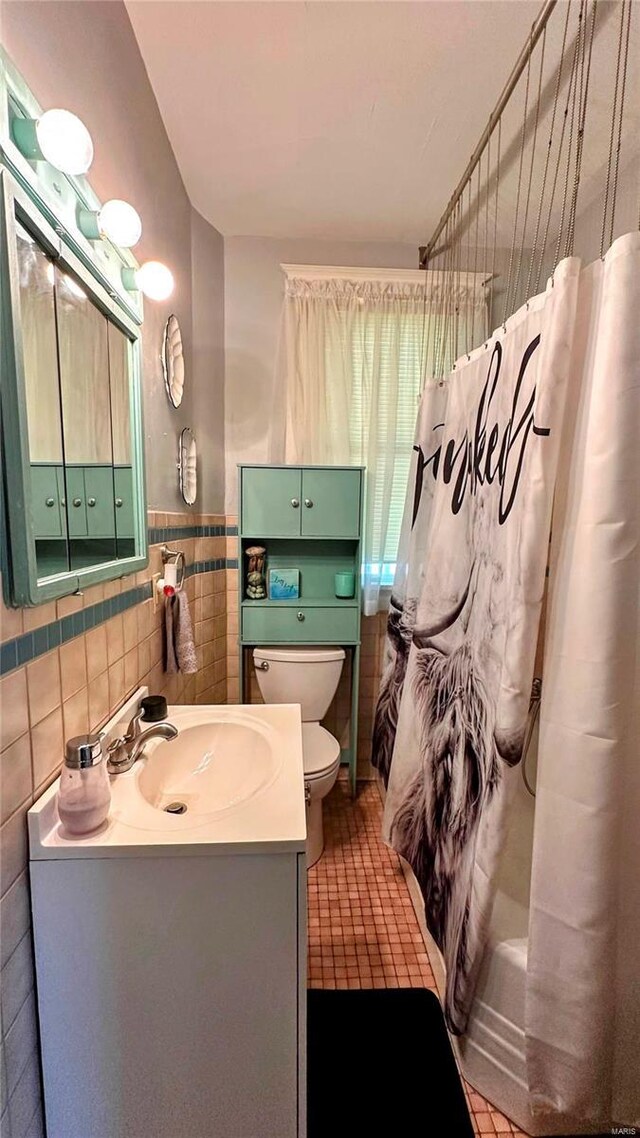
{"x": 363, "y": 932}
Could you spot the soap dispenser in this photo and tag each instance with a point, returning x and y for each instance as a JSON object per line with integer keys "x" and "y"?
{"x": 84, "y": 796}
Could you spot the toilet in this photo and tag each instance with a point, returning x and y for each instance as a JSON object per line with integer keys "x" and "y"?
{"x": 308, "y": 676}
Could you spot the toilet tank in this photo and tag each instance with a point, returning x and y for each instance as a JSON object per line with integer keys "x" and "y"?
{"x": 308, "y": 676}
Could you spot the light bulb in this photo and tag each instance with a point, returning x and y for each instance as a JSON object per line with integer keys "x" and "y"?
{"x": 119, "y": 221}
{"x": 64, "y": 141}
{"x": 155, "y": 280}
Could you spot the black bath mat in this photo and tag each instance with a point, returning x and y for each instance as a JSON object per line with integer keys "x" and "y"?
{"x": 380, "y": 1065}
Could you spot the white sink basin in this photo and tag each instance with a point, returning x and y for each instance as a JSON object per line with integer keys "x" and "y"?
{"x": 210, "y": 767}
{"x": 233, "y": 776}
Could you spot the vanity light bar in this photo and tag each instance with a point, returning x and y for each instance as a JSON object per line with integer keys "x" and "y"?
{"x": 59, "y": 137}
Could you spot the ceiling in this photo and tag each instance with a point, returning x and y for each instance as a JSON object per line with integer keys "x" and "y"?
{"x": 346, "y": 120}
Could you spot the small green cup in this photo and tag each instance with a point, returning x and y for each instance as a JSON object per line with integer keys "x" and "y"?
{"x": 345, "y": 585}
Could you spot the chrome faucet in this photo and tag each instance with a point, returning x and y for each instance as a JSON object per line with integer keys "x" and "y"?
{"x": 126, "y": 749}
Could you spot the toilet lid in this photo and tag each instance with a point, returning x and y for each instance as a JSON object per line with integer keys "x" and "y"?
{"x": 320, "y": 750}
{"x": 292, "y": 655}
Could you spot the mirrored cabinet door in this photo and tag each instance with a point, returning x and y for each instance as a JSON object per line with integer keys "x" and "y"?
{"x": 71, "y": 425}
{"x": 83, "y": 352}
{"x": 78, "y": 386}
{"x": 121, "y": 414}
{"x": 36, "y": 277}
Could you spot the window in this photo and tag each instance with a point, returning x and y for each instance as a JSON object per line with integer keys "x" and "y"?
{"x": 356, "y": 346}
{"x": 396, "y": 348}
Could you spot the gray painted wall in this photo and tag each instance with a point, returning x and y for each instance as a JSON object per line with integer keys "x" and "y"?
{"x": 84, "y": 56}
{"x": 589, "y": 218}
{"x": 254, "y": 405}
{"x": 588, "y": 227}
{"x": 207, "y": 358}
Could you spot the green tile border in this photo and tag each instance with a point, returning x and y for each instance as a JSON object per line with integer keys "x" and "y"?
{"x": 15, "y": 653}
{"x": 158, "y": 534}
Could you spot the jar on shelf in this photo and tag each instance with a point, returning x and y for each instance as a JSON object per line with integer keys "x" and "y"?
{"x": 256, "y": 581}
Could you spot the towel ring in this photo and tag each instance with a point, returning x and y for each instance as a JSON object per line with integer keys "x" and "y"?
{"x": 176, "y": 555}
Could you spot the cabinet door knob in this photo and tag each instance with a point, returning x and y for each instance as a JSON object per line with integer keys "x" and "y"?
{"x": 295, "y": 503}
{"x": 91, "y": 501}
{"x": 50, "y": 502}
{"x": 308, "y": 503}
{"x": 300, "y": 616}
{"x": 118, "y": 502}
{"x": 77, "y": 501}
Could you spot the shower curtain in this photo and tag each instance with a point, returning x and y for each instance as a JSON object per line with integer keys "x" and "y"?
{"x": 463, "y": 621}
{"x": 583, "y": 972}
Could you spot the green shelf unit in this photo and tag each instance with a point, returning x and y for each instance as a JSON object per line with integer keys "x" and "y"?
{"x": 308, "y": 518}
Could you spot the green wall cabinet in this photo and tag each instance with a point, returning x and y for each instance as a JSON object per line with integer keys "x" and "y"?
{"x": 270, "y": 501}
{"x": 309, "y": 518}
{"x": 331, "y": 503}
{"x": 289, "y": 501}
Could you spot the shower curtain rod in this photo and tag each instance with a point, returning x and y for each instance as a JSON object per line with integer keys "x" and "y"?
{"x": 427, "y": 251}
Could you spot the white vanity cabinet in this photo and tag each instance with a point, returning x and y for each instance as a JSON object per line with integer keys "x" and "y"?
{"x": 171, "y": 975}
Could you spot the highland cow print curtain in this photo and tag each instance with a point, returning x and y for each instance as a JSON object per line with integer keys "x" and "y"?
{"x": 463, "y": 619}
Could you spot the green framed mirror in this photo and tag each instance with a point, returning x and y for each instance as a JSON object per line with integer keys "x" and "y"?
{"x": 73, "y": 443}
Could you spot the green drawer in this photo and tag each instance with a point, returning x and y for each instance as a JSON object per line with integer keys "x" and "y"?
{"x": 273, "y": 624}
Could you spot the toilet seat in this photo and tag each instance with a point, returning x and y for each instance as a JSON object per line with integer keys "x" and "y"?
{"x": 320, "y": 751}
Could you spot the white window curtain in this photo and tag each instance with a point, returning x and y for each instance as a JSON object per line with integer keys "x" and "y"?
{"x": 355, "y": 347}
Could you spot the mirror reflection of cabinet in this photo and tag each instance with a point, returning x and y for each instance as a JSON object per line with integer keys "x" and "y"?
{"x": 121, "y": 438}
{"x": 83, "y": 357}
{"x": 36, "y": 276}
{"x": 73, "y": 421}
